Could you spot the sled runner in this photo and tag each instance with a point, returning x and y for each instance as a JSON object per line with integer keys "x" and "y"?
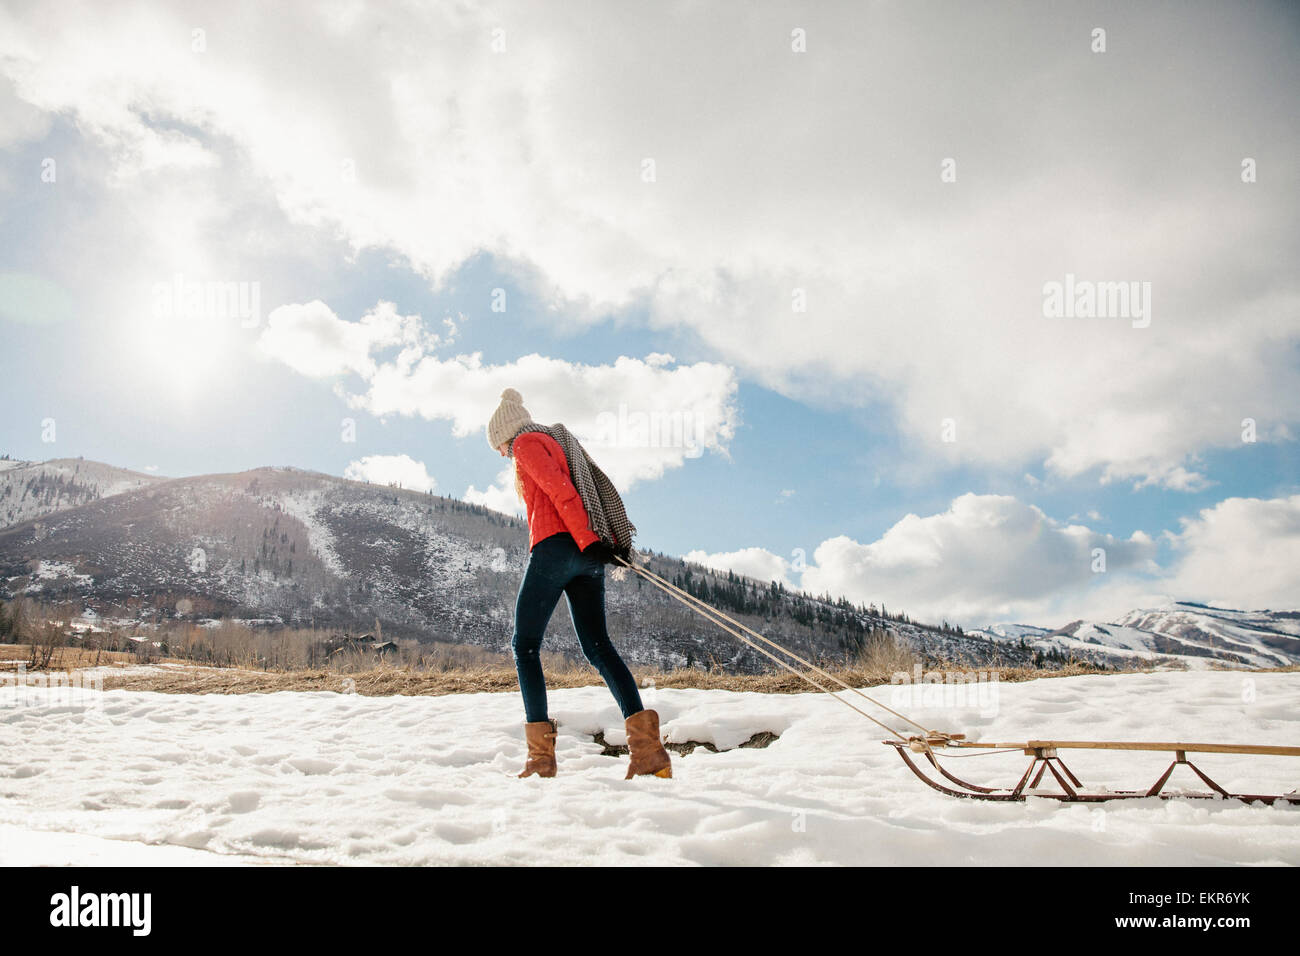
{"x": 1044, "y": 757}
{"x": 1043, "y": 754}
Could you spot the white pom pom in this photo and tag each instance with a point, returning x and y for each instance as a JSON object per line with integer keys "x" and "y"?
{"x": 510, "y": 395}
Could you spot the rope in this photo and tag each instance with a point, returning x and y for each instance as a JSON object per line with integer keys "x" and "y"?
{"x": 987, "y": 753}
{"x": 717, "y": 617}
{"x": 930, "y": 737}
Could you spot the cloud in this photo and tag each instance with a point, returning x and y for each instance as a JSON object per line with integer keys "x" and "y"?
{"x": 20, "y": 122}
{"x": 312, "y": 340}
{"x": 401, "y": 470}
{"x": 919, "y": 294}
{"x": 637, "y": 418}
{"x": 1243, "y": 553}
{"x": 988, "y": 557}
{"x": 993, "y": 558}
{"x": 500, "y": 495}
{"x": 757, "y": 563}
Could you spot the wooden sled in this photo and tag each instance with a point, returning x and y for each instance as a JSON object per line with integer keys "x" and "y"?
{"x": 1069, "y": 789}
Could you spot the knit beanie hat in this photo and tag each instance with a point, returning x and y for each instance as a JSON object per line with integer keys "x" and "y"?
{"x": 509, "y": 417}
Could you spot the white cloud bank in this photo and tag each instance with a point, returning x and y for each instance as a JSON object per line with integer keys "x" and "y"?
{"x": 992, "y": 558}
{"x": 988, "y": 557}
{"x": 637, "y": 417}
{"x": 401, "y": 470}
{"x": 315, "y": 342}
{"x": 500, "y": 495}
{"x": 757, "y": 563}
{"x": 1243, "y": 552}
{"x": 778, "y": 176}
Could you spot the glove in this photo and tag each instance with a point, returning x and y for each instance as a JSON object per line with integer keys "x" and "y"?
{"x": 600, "y": 551}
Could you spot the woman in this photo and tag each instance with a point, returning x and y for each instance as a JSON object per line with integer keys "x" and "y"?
{"x": 565, "y": 557}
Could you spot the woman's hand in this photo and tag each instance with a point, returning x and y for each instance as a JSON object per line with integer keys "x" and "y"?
{"x": 600, "y": 551}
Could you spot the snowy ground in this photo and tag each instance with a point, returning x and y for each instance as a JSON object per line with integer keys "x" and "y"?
{"x": 145, "y": 778}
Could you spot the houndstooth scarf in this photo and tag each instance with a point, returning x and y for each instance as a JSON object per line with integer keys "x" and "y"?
{"x": 599, "y": 496}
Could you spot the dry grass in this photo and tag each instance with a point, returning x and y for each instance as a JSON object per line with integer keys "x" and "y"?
{"x": 388, "y": 681}
{"x": 71, "y": 657}
{"x": 877, "y": 665}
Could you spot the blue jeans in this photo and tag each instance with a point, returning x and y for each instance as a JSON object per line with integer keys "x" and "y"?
{"x": 555, "y": 567}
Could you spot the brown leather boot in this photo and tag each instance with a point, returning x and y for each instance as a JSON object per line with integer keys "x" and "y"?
{"x": 647, "y": 749}
{"x": 541, "y": 748}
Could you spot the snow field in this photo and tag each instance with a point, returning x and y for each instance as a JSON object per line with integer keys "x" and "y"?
{"x": 324, "y": 778}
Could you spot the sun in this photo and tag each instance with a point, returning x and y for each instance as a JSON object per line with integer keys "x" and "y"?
{"x": 188, "y": 336}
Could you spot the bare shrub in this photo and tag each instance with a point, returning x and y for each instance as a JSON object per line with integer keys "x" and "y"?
{"x": 44, "y": 634}
{"x": 882, "y": 656}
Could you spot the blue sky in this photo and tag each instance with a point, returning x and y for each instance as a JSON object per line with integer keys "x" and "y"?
{"x": 651, "y": 241}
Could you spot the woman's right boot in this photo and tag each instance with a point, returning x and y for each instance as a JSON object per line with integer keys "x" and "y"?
{"x": 541, "y": 748}
{"x": 648, "y": 755}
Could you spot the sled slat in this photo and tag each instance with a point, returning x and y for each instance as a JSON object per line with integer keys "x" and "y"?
{"x": 1266, "y": 749}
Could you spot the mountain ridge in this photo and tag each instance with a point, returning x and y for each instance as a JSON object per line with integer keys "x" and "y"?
{"x": 1190, "y": 632}
{"x": 437, "y": 567}
{"x": 312, "y": 549}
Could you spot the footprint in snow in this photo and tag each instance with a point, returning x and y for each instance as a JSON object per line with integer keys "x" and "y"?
{"x": 244, "y": 801}
{"x": 428, "y": 799}
{"x": 454, "y": 833}
{"x": 311, "y": 765}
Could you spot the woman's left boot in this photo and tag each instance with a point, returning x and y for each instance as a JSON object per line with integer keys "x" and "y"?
{"x": 541, "y": 748}
{"x": 647, "y": 750}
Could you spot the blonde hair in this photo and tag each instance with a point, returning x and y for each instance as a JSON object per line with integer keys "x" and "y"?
{"x": 519, "y": 482}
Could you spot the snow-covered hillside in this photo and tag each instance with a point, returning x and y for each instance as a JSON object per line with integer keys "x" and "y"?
{"x": 32, "y": 489}
{"x": 1191, "y": 634}
{"x": 333, "y": 778}
{"x": 1258, "y": 637}
{"x": 1014, "y": 632}
{"x": 310, "y": 549}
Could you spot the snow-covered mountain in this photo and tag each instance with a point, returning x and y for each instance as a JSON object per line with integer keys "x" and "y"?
{"x": 1194, "y": 634}
{"x": 307, "y": 548}
{"x": 31, "y": 489}
{"x": 1014, "y": 632}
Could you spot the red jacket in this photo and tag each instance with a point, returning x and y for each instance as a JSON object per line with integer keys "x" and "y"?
{"x": 553, "y": 503}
